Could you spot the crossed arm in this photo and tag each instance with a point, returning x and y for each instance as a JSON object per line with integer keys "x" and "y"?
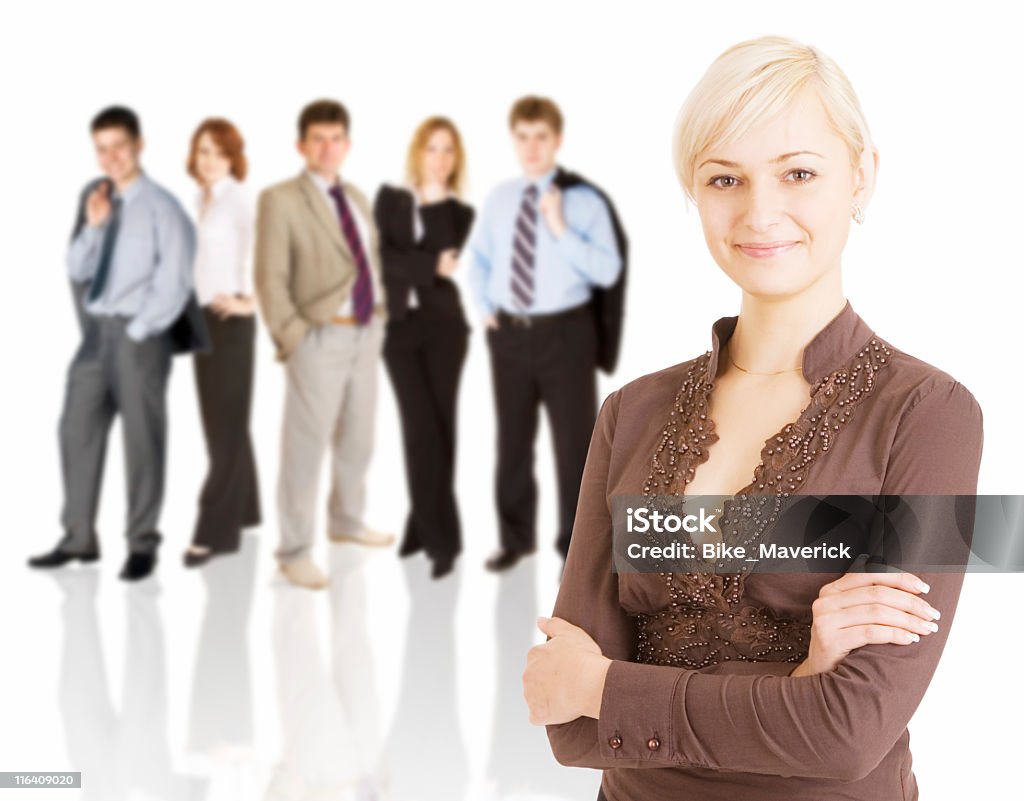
{"x": 603, "y": 710}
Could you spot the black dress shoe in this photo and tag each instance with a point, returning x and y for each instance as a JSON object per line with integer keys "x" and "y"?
{"x": 58, "y": 557}
{"x": 442, "y": 566}
{"x": 191, "y": 559}
{"x": 196, "y": 558}
{"x": 503, "y": 559}
{"x": 138, "y": 566}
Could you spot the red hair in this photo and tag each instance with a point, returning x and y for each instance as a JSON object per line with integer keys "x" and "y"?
{"x": 227, "y": 139}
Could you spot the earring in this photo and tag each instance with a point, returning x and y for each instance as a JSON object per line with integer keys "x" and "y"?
{"x": 858, "y": 213}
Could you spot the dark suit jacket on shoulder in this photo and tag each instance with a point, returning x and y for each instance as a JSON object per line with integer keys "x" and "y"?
{"x": 609, "y": 304}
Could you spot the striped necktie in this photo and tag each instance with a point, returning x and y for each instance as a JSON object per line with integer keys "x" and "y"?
{"x": 524, "y": 242}
{"x": 362, "y": 291}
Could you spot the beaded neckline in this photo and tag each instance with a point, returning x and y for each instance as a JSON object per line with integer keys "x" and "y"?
{"x": 705, "y": 621}
{"x": 690, "y": 431}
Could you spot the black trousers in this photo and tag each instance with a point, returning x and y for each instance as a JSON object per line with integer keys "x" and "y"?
{"x": 552, "y": 361}
{"x": 424, "y": 358}
{"x": 229, "y": 500}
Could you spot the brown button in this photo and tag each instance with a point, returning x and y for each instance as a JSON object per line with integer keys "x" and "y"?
{"x": 654, "y": 744}
{"x": 615, "y": 742}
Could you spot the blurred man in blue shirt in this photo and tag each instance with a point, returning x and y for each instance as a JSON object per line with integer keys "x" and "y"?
{"x": 130, "y": 261}
{"x": 537, "y": 254}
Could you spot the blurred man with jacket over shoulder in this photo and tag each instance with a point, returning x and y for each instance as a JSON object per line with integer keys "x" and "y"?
{"x": 130, "y": 263}
{"x": 541, "y": 249}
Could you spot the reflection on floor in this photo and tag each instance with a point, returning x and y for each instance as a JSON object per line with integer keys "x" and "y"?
{"x": 125, "y": 751}
{"x": 520, "y": 760}
{"x": 332, "y": 739}
{"x": 425, "y": 746}
{"x": 329, "y": 712}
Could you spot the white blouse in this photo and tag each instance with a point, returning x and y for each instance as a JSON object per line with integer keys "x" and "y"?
{"x": 225, "y": 235}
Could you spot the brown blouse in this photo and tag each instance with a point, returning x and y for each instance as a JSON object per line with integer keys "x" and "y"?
{"x": 698, "y": 702}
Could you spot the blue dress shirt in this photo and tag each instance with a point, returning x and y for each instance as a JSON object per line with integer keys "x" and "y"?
{"x": 565, "y": 267}
{"x": 150, "y": 276}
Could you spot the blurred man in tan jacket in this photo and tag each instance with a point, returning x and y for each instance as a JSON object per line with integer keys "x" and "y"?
{"x": 318, "y": 281}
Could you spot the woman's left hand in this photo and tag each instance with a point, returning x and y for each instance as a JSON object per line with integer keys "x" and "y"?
{"x": 564, "y": 677}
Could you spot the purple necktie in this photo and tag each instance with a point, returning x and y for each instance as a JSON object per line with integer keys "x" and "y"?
{"x": 362, "y": 292}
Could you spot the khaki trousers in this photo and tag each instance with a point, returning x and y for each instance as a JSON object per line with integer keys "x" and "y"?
{"x": 330, "y": 401}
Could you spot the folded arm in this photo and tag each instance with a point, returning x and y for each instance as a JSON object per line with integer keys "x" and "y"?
{"x": 410, "y": 264}
{"x": 838, "y": 724}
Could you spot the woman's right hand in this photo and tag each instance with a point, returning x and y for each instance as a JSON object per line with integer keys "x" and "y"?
{"x": 866, "y": 609}
{"x": 447, "y": 262}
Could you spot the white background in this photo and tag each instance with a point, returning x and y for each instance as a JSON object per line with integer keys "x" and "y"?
{"x": 935, "y": 270}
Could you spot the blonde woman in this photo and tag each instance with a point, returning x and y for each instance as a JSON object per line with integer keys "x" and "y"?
{"x": 761, "y": 686}
{"x": 423, "y": 226}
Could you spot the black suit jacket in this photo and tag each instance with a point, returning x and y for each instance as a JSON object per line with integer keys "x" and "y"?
{"x": 407, "y": 263}
{"x": 187, "y": 334}
{"x": 608, "y": 303}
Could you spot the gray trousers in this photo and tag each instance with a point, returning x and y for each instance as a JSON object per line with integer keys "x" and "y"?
{"x": 112, "y": 375}
{"x": 330, "y": 400}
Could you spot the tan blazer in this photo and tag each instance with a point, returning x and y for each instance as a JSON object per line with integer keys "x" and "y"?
{"x": 303, "y": 267}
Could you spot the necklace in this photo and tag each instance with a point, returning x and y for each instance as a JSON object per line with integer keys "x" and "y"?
{"x": 754, "y": 372}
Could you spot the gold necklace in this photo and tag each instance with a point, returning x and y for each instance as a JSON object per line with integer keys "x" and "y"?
{"x": 753, "y": 372}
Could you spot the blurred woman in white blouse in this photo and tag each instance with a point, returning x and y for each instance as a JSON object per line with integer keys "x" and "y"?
{"x": 229, "y": 500}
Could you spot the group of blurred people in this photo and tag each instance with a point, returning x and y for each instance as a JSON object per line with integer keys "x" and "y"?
{"x": 338, "y": 283}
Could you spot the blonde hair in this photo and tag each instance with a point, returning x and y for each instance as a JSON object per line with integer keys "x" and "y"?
{"x": 414, "y": 159}
{"x": 751, "y": 82}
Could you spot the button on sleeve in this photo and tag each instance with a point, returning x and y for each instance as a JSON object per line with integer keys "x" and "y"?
{"x": 636, "y": 707}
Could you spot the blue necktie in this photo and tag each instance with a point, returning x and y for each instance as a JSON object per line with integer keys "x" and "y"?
{"x": 107, "y": 249}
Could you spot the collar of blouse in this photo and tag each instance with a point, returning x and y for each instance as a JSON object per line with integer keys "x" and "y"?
{"x": 833, "y": 346}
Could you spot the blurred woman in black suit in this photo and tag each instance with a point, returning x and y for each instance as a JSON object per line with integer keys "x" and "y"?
{"x": 423, "y": 226}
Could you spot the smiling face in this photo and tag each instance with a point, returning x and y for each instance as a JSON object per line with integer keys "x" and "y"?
{"x": 536, "y": 145}
{"x": 117, "y": 153}
{"x": 775, "y": 204}
{"x": 324, "y": 146}
{"x": 211, "y": 163}
{"x": 438, "y": 161}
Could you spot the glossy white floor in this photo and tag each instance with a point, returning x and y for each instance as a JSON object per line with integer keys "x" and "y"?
{"x": 226, "y": 683}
